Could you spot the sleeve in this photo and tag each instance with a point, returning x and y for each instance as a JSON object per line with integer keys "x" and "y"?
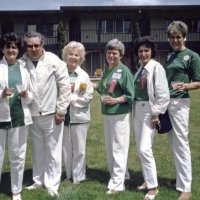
{"x": 128, "y": 85}
{"x": 195, "y": 68}
{"x": 161, "y": 91}
{"x": 63, "y": 84}
{"x": 29, "y": 98}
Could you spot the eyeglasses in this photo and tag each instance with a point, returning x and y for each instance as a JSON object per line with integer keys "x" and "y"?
{"x": 35, "y": 46}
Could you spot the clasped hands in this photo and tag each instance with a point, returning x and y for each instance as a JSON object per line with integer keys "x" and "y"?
{"x": 109, "y": 100}
{"x": 9, "y": 92}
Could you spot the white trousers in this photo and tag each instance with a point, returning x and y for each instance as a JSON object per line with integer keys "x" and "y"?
{"x": 179, "y": 143}
{"x": 74, "y": 151}
{"x": 16, "y": 139}
{"x": 117, "y": 136}
{"x": 47, "y": 151}
{"x": 144, "y": 136}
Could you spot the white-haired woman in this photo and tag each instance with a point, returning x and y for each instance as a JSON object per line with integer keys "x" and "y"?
{"x": 78, "y": 116}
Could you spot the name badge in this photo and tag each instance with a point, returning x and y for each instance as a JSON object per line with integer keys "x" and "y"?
{"x": 116, "y": 76}
{"x": 73, "y": 79}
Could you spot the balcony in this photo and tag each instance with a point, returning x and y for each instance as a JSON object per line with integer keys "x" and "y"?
{"x": 95, "y": 37}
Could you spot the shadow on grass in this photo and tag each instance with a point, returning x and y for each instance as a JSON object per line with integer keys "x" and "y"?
{"x": 136, "y": 179}
{"x": 98, "y": 175}
{"x": 5, "y": 185}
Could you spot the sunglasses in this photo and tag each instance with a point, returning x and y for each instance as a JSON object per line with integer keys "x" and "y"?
{"x": 35, "y": 46}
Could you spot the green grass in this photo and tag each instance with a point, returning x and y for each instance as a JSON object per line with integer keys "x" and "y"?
{"x": 97, "y": 174}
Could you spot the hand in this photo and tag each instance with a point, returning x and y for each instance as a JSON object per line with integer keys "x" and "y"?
{"x": 59, "y": 118}
{"x": 24, "y": 94}
{"x": 181, "y": 86}
{"x": 7, "y": 92}
{"x": 154, "y": 121}
{"x": 94, "y": 85}
{"x": 109, "y": 100}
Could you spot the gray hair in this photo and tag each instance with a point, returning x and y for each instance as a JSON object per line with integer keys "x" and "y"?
{"x": 116, "y": 44}
{"x": 34, "y": 34}
{"x": 177, "y": 27}
{"x": 70, "y": 47}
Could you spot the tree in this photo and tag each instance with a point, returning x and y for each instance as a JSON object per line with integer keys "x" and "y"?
{"x": 61, "y": 39}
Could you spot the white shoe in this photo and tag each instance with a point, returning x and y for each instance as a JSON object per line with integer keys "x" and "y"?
{"x": 17, "y": 197}
{"x": 53, "y": 193}
{"x": 33, "y": 187}
{"x": 112, "y": 191}
{"x": 151, "y": 196}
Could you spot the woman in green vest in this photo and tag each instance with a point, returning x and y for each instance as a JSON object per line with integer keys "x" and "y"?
{"x": 15, "y": 115}
{"x": 183, "y": 74}
{"x": 116, "y": 88}
{"x": 151, "y": 99}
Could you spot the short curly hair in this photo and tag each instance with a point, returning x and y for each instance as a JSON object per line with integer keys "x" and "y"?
{"x": 146, "y": 41}
{"x": 8, "y": 40}
{"x": 116, "y": 44}
{"x": 70, "y": 47}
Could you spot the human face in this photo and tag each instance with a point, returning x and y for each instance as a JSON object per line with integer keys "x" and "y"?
{"x": 10, "y": 52}
{"x": 113, "y": 57}
{"x": 144, "y": 54}
{"x": 73, "y": 59}
{"x": 34, "y": 48}
{"x": 177, "y": 42}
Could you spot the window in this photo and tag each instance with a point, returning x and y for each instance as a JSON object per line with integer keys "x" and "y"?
{"x": 46, "y": 29}
{"x": 123, "y": 26}
{"x": 30, "y": 27}
{"x": 198, "y": 26}
{"x": 106, "y": 26}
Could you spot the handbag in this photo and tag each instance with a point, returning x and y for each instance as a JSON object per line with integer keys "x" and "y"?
{"x": 165, "y": 124}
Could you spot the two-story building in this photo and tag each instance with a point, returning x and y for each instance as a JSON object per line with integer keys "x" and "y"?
{"x": 95, "y": 26}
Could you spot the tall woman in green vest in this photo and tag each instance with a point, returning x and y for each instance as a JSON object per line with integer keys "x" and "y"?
{"x": 14, "y": 111}
{"x": 151, "y": 99}
{"x": 183, "y": 74}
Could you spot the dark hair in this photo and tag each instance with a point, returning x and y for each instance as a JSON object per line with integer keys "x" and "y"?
{"x": 8, "y": 40}
{"x": 145, "y": 41}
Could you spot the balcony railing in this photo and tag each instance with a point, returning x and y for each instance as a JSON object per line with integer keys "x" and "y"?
{"x": 93, "y": 36}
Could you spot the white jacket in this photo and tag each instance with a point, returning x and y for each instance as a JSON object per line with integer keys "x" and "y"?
{"x": 157, "y": 87}
{"x": 50, "y": 85}
{"x": 80, "y": 101}
{"x": 4, "y": 102}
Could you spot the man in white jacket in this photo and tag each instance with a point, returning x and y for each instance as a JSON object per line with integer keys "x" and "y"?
{"x": 50, "y": 86}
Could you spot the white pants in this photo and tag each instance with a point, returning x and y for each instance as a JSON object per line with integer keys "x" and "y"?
{"x": 74, "y": 151}
{"x": 144, "y": 136}
{"x": 47, "y": 151}
{"x": 117, "y": 136}
{"x": 179, "y": 143}
{"x": 16, "y": 139}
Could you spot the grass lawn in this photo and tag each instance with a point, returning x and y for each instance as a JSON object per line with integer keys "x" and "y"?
{"x": 97, "y": 174}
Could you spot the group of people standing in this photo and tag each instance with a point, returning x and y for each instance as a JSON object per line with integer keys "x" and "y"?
{"x": 50, "y": 98}
{"x": 153, "y": 90}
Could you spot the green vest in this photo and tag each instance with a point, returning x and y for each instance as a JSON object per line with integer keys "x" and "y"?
{"x": 16, "y": 111}
{"x": 141, "y": 92}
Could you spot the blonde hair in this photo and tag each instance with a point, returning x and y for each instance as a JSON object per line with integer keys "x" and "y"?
{"x": 70, "y": 47}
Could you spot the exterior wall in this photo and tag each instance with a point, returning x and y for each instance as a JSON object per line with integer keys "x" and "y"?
{"x": 151, "y": 21}
{"x": 90, "y": 33}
